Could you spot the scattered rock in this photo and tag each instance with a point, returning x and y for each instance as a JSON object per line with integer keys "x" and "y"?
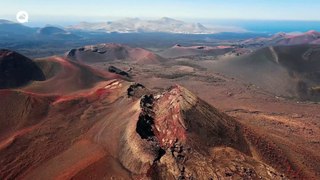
{"x": 116, "y": 70}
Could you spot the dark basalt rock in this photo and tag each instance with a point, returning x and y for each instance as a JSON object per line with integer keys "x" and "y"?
{"x": 71, "y": 53}
{"x": 116, "y": 70}
{"x": 145, "y": 125}
{"x": 134, "y": 89}
{"x": 146, "y": 118}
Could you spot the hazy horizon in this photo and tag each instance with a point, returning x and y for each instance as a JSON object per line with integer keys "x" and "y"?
{"x": 257, "y": 26}
{"x": 187, "y": 9}
{"x": 268, "y": 16}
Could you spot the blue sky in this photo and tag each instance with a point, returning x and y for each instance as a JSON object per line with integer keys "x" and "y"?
{"x": 97, "y": 10}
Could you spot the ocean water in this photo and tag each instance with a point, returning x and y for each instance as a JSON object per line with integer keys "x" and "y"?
{"x": 269, "y": 26}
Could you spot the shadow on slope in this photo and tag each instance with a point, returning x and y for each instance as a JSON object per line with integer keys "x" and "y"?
{"x": 291, "y": 71}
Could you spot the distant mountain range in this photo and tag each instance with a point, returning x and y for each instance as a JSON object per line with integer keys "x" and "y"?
{"x": 165, "y": 25}
{"x": 161, "y": 33}
{"x": 128, "y": 25}
{"x": 11, "y": 29}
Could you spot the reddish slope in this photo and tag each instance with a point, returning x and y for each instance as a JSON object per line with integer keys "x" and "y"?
{"x": 65, "y": 121}
{"x": 65, "y": 77}
{"x": 112, "y": 128}
{"x": 108, "y": 134}
{"x": 19, "y": 110}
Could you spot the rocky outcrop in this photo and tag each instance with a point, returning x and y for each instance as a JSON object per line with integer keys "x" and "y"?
{"x": 118, "y": 71}
{"x": 185, "y": 138}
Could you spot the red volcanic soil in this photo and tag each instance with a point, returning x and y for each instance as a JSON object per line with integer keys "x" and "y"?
{"x": 181, "y": 51}
{"x": 65, "y": 77}
{"x": 112, "y": 52}
{"x": 94, "y": 125}
{"x": 35, "y": 128}
{"x": 110, "y": 134}
{"x": 17, "y": 70}
{"x": 19, "y": 110}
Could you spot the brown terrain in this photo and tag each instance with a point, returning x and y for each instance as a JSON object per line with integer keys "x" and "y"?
{"x": 94, "y": 122}
{"x": 183, "y": 51}
{"x": 294, "y": 70}
{"x": 112, "y": 52}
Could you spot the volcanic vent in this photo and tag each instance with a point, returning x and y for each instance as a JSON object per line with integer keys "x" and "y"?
{"x": 182, "y": 137}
